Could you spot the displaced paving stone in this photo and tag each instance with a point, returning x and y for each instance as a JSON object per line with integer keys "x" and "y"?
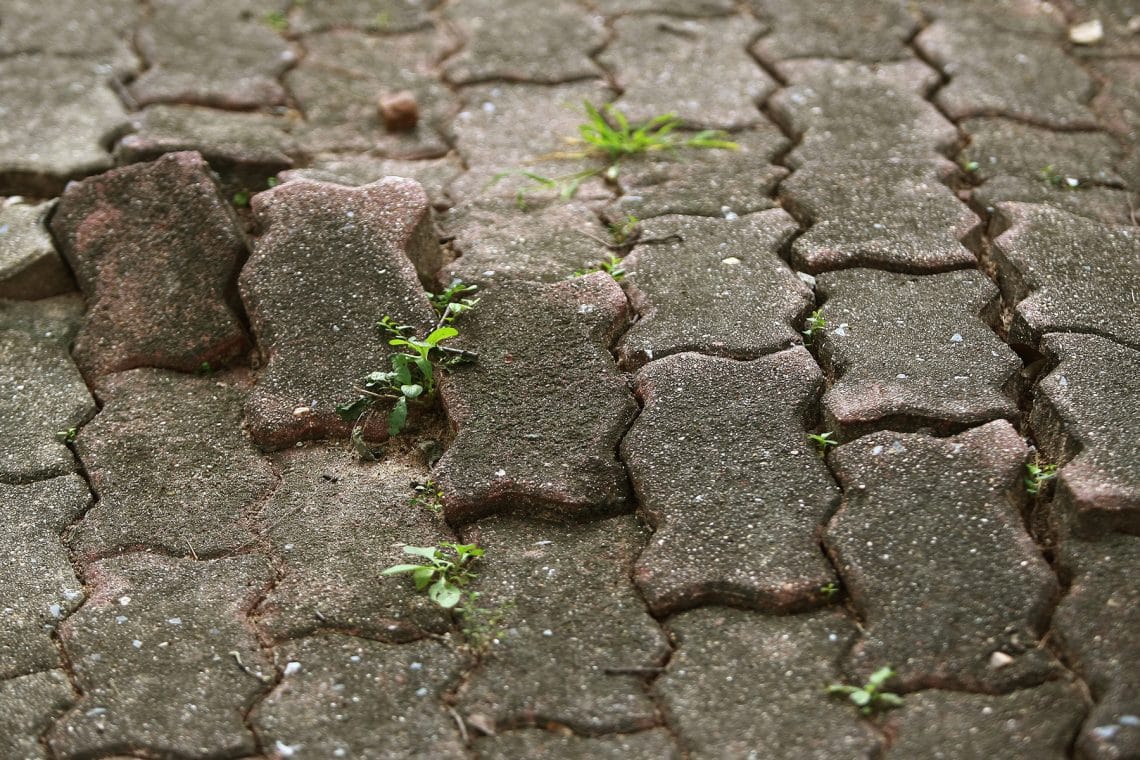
{"x": 41, "y": 390}
{"x": 37, "y": 585}
{"x": 726, "y": 658}
{"x": 539, "y": 416}
{"x": 1086, "y": 415}
{"x": 95, "y": 32}
{"x": 434, "y": 174}
{"x": 1003, "y": 147}
{"x": 351, "y": 697}
{"x": 1102, "y": 204}
{"x": 30, "y": 268}
{"x": 722, "y": 467}
{"x": 894, "y": 215}
{"x": 1067, "y": 273}
{"x": 170, "y": 465}
{"x": 526, "y": 40}
{"x": 577, "y": 640}
{"x": 163, "y": 659}
{"x": 932, "y": 549}
{"x": 28, "y": 705}
{"x": 870, "y": 31}
{"x": 912, "y": 353}
{"x": 655, "y": 744}
{"x": 344, "y": 253}
{"x": 155, "y": 249}
{"x": 717, "y": 287}
{"x": 370, "y": 15}
{"x": 652, "y": 57}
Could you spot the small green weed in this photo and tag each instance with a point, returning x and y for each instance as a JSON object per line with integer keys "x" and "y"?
{"x": 970, "y": 167}
{"x": 482, "y": 625}
{"x": 1037, "y": 475}
{"x": 822, "y": 440}
{"x": 445, "y": 574}
{"x": 241, "y": 198}
{"x": 67, "y": 436}
{"x": 611, "y": 266}
{"x": 829, "y": 590}
{"x": 452, "y": 302}
{"x": 870, "y": 697}
{"x": 625, "y": 232}
{"x": 816, "y": 324}
{"x": 277, "y": 21}
{"x": 1056, "y": 179}
{"x": 427, "y": 495}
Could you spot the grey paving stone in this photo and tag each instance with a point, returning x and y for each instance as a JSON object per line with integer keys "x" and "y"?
{"x": 1086, "y": 415}
{"x": 1004, "y": 147}
{"x": 912, "y": 353}
{"x": 655, "y": 744}
{"x": 155, "y": 248}
{"x": 723, "y": 470}
{"x": 344, "y": 252}
{"x": 1107, "y": 205}
{"x": 351, "y": 697}
{"x": 38, "y": 585}
{"x": 1020, "y": 16}
{"x": 651, "y": 59}
{"x": 28, "y": 705}
{"x": 571, "y": 618}
{"x": 1117, "y": 18}
{"x": 30, "y": 267}
{"x": 1118, "y": 101}
{"x": 932, "y": 549}
{"x": 525, "y": 40}
{"x": 96, "y": 32}
{"x": 172, "y": 470}
{"x": 1066, "y": 273}
{"x": 672, "y": 7}
{"x": 434, "y": 174}
{"x": 41, "y": 390}
{"x": 727, "y": 660}
{"x": 868, "y": 31}
{"x": 371, "y": 15}
{"x": 719, "y": 287}
{"x": 155, "y": 653}
{"x": 893, "y": 215}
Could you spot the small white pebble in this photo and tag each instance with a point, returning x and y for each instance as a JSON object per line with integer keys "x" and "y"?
{"x": 292, "y": 667}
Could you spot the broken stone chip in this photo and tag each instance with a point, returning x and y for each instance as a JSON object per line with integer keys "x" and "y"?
{"x": 399, "y": 111}
{"x": 1088, "y": 33}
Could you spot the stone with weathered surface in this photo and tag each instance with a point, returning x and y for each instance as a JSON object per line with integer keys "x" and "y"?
{"x": 1117, "y": 19}
{"x": 726, "y": 660}
{"x": 343, "y": 253}
{"x": 1117, "y": 104}
{"x": 435, "y": 174}
{"x": 163, "y": 658}
{"x": 868, "y": 31}
{"x": 170, "y": 465}
{"x": 100, "y": 32}
{"x": 28, "y": 705}
{"x": 1021, "y": 16}
{"x": 371, "y": 15}
{"x": 30, "y": 267}
{"x": 714, "y": 286}
{"x": 1066, "y": 273}
{"x": 1107, "y": 205}
{"x": 723, "y": 470}
{"x": 155, "y": 248}
{"x": 932, "y": 549}
{"x": 1004, "y": 147}
{"x": 37, "y": 584}
{"x": 654, "y": 744}
{"x": 912, "y": 353}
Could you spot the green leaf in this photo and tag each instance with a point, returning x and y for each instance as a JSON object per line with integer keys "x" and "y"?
{"x": 880, "y": 676}
{"x": 411, "y": 391}
{"x": 398, "y": 416}
{"x": 403, "y": 373}
{"x": 423, "y": 576}
{"x": 421, "y": 551}
{"x": 397, "y": 569}
{"x": 841, "y": 689}
{"x": 890, "y": 700}
{"x": 441, "y": 333}
{"x": 861, "y": 697}
{"x": 444, "y": 594}
{"x": 351, "y": 411}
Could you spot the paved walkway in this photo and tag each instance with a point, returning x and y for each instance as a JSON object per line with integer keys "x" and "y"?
{"x": 924, "y": 253}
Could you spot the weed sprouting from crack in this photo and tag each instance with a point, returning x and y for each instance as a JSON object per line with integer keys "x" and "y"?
{"x": 870, "y": 697}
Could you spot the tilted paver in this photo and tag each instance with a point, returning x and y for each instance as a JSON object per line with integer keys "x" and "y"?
{"x": 30, "y": 267}
{"x": 723, "y": 469}
{"x": 372, "y": 15}
{"x": 435, "y": 174}
{"x": 654, "y": 744}
{"x": 870, "y": 31}
{"x": 28, "y": 705}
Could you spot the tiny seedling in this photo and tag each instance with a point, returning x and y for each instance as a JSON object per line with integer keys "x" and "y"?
{"x": 1037, "y": 475}
{"x": 67, "y": 436}
{"x": 823, "y": 440}
{"x": 829, "y": 590}
{"x": 445, "y": 574}
{"x": 241, "y": 198}
{"x": 452, "y": 302}
{"x": 970, "y": 167}
{"x": 870, "y": 697}
{"x": 624, "y": 232}
{"x": 277, "y": 21}
{"x": 816, "y": 324}
{"x": 482, "y": 625}
{"x": 611, "y": 266}
{"x": 1056, "y": 179}
{"x": 427, "y": 495}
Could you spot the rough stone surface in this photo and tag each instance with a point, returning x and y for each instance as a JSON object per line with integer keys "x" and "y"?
{"x": 723, "y": 470}
{"x": 1107, "y": 205}
{"x": 30, "y": 268}
{"x": 1118, "y": 102}
{"x": 100, "y": 32}
{"x": 877, "y": 30}
{"x": 155, "y": 248}
{"x": 1004, "y": 147}
{"x": 1118, "y": 19}
{"x": 718, "y": 287}
{"x": 370, "y": 15}
{"x": 932, "y": 549}
{"x": 434, "y": 174}
{"x": 655, "y": 744}
{"x": 912, "y": 353}
{"x": 28, "y": 705}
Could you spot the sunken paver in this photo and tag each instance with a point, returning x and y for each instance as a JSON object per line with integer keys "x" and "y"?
{"x": 869, "y": 31}
{"x": 655, "y": 744}
{"x": 344, "y": 253}
{"x": 1029, "y": 724}
{"x": 163, "y": 658}
{"x": 932, "y": 549}
{"x": 41, "y": 390}
{"x": 727, "y": 660}
{"x": 343, "y": 696}
{"x": 651, "y": 59}
{"x": 723, "y": 470}
{"x": 371, "y": 15}
{"x": 911, "y": 353}
{"x": 540, "y": 414}
{"x": 1107, "y": 205}
{"x": 717, "y": 287}
{"x": 576, "y": 637}
{"x": 1087, "y": 416}
{"x": 28, "y": 705}
{"x": 436, "y": 175}
{"x": 97, "y": 32}
{"x": 1097, "y": 626}
{"x": 172, "y": 469}
{"x": 892, "y": 215}
{"x": 1066, "y": 273}
{"x": 335, "y": 523}
{"x": 1005, "y": 147}
{"x": 38, "y": 584}
{"x": 155, "y": 248}
{"x": 30, "y": 267}
{"x": 524, "y": 41}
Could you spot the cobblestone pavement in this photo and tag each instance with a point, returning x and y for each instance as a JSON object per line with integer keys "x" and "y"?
{"x": 925, "y": 246}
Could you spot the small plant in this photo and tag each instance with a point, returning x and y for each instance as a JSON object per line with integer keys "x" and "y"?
{"x": 970, "y": 167}
{"x": 829, "y": 590}
{"x": 67, "y": 436}
{"x": 482, "y": 625}
{"x": 277, "y": 21}
{"x": 816, "y": 324}
{"x": 1057, "y": 179}
{"x": 451, "y": 302}
{"x": 444, "y": 577}
{"x": 823, "y": 440}
{"x": 870, "y": 697}
{"x": 1037, "y": 475}
{"x": 241, "y": 198}
{"x": 624, "y": 232}
{"x": 611, "y": 266}
{"x": 427, "y": 495}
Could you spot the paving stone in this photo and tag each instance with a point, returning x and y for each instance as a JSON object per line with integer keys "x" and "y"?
{"x": 932, "y": 549}
{"x": 30, "y": 268}
{"x": 1086, "y": 415}
{"x": 1030, "y": 724}
{"x": 723, "y": 470}
{"x": 672, "y": 7}
{"x": 526, "y": 40}
{"x": 655, "y": 744}
{"x": 893, "y": 215}
{"x": 870, "y": 31}
{"x": 912, "y": 353}
{"x": 571, "y": 618}
{"x": 356, "y": 698}
{"x": 727, "y": 659}
{"x": 96, "y": 32}
{"x": 1020, "y": 16}
{"x": 1118, "y": 19}
{"x": 1003, "y": 147}
{"x": 163, "y": 658}
{"x": 1118, "y": 102}
{"x": 540, "y": 414}
{"x": 170, "y": 465}
{"x": 38, "y": 585}
{"x": 434, "y": 174}
{"x": 155, "y": 248}
{"x": 344, "y": 252}
{"x": 41, "y": 390}
{"x": 28, "y": 705}
{"x": 651, "y": 58}
{"x": 718, "y": 287}
{"x": 1106, "y": 205}
{"x": 384, "y": 16}
{"x": 1066, "y": 273}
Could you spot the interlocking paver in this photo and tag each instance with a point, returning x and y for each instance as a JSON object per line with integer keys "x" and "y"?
{"x": 722, "y": 467}
{"x": 1005, "y": 147}
{"x": 655, "y": 744}
{"x": 28, "y": 705}
{"x": 372, "y": 15}
{"x": 1107, "y": 205}
{"x": 436, "y": 174}
{"x": 30, "y": 267}
{"x": 674, "y": 7}
{"x": 869, "y": 31}
{"x": 99, "y": 32}
{"x": 931, "y": 546}
{"x": 1118, "y": 102}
